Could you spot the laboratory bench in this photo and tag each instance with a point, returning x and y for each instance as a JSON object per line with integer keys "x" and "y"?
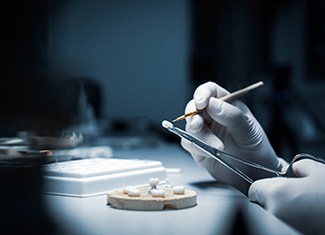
{"x": 220, "y": 209}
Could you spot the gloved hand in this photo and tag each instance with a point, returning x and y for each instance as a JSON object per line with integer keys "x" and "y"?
{"x": 298, "y": 201}
{"x": 228, "y": 127}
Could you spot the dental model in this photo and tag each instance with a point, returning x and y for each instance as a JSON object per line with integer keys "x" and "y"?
{"x": 127, "y": 189}
{"x": 134, "y": 192}
{"x": 166, "y": 124}
{"x": 152, "y": 197}
{"x": 153, "y": 182}
{"x": 179, "y": 189}
{"x": 158, "y": 192}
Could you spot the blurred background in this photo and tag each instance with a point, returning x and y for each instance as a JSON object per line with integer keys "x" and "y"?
{"x": 109, "y": 67}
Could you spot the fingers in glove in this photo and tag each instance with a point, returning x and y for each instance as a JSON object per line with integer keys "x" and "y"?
{"x": 271, "y": 193}
{"x": 194, "y": 123}
{"x": 306, "y": 167}
{"x": 238, "y": 120}
{"x": 205, "y": 135}
{"x": 205, "y": 91}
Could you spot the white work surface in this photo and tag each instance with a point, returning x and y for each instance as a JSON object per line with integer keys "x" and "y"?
{"x": 215, "y": 212}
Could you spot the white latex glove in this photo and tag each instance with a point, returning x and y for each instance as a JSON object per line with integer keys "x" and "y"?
{"x": 298, "y": 201}
{"x": 228, "y": 127}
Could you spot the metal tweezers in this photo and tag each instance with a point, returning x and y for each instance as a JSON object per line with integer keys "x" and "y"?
{"x": 223, "y": 158}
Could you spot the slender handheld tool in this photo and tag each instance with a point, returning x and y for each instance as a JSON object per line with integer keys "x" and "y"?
{"x": 220, "y": 156}
{"x": 228, "y": 97}
{"x": 223, "y": 157}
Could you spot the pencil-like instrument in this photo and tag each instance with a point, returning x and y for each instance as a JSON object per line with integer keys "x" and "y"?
{"x": 228, "y": 97}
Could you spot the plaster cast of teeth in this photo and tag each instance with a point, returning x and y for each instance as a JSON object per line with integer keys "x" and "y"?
{"x": 134, "y": 192}
{"x": 179, "y": 189}
{"x": 166, "y": 124}
{"x": 127, "y": 189}
{"x": 157, "y": 193}
{"x": 153, "y": 181}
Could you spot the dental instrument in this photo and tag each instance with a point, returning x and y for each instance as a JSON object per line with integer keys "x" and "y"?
{"x": 223, "y": 157}
{"x": 228, "y": 97}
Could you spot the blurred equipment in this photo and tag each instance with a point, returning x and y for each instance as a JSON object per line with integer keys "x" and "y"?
{"x": 96, "y": 176}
